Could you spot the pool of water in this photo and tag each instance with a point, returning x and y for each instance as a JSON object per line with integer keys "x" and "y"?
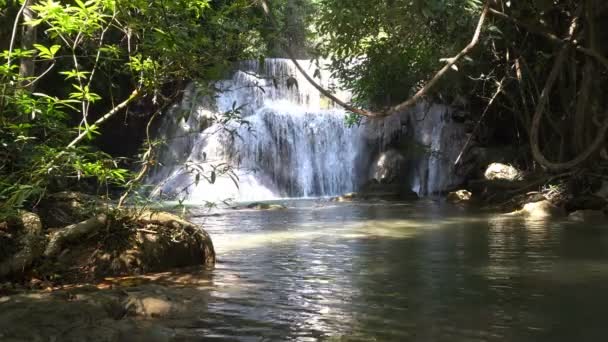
{"x": 419, "y": 271}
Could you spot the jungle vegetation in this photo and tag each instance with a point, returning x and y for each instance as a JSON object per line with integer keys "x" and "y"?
{"x": 528, "y": 73}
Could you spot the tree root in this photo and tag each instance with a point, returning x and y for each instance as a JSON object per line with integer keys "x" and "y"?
{"x": 74, "y": 232}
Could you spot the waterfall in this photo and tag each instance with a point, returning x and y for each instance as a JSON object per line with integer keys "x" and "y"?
{"x": 282, "y": 138}
{"x": 291, "y": 141}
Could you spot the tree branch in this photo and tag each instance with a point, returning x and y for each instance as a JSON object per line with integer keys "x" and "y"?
{"x": 552, "y": 37}
{"x": 105, "y": 117}
{"x": 400, "y": 107}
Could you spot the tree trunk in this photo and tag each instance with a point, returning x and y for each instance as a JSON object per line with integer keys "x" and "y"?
{"x": 28, "y": 39}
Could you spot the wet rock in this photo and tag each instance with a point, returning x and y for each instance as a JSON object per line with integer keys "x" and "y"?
{"x": 588, "y": 216}
{"x": 389, "y": 167}
{"x": 459, "y": 196}
{"x": 498, "y": 171}
{"x": 149, "y": 307}
{"x": 539, "y": 210}
{"x": 135, "y": 243}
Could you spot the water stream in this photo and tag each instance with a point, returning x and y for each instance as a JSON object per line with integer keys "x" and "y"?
{"x": 422, "y": 271}
{"x": 403, "y": 272}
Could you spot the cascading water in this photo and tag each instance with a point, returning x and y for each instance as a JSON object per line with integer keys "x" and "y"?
{"x": 291, "y": 141}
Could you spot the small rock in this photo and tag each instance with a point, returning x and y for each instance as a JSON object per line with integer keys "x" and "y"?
{"x": 31, "y": 223}
{"x": 588, "y": 216}
{"x": 498, "y": 171}
{"x": 149, "y": 307}
{"x": 459, "y": 196}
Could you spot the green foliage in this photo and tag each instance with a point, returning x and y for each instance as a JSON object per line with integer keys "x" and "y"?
{"x": 381, "y": 50}
{"x": 88, "y": 57}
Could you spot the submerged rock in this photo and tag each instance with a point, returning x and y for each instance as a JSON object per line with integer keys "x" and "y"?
{"x": 142, "y": 313}
{"x": 459, "y": 196}
{"x": 388, "y": 192}
{"x": 265, "y": 206}
{"x": 498, "y": 171}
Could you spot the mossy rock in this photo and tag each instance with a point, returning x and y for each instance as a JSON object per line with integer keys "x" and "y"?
{"x": 129, "y": 244}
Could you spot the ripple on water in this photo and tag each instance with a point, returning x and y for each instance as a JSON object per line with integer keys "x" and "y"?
{"x": 416, "y": 272}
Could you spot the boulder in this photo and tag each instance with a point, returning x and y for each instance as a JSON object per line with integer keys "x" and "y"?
{"x": 459, "y": 196}
{"x": 539, "y": 210}
{"x": 389, "y": 167}
{"x": 126, "y": 243}
{"x": 588, "y": 216}
{"x": 498, "y": 171}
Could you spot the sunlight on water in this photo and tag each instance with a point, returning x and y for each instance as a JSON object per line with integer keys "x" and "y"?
{"x": 408, "y": 272}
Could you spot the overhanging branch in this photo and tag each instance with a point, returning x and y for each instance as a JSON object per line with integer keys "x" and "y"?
{"x": 404, "y": 105}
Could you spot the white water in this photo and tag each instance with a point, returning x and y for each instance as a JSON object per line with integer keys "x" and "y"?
{"x": 294, "y": 143}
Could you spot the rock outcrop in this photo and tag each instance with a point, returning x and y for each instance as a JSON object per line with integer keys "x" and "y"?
{"x": 110, "y": 243}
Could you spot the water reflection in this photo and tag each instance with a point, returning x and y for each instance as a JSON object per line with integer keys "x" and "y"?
{"x": 405, "y": 272}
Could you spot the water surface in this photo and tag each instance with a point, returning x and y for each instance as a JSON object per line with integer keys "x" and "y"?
{"x": 403, "y": 272}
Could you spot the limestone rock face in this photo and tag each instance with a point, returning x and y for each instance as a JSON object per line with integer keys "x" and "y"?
{"x": 498, "y": 171}
{"x": 389, "y": 167}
